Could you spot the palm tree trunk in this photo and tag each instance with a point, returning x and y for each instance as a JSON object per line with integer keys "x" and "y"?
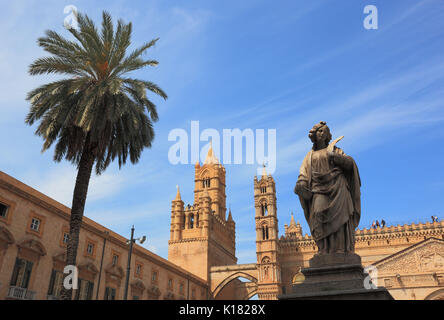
{"x": 78, "y": 205}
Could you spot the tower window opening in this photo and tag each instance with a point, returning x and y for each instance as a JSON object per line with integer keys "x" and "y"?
{"x": 265, "y": 233}
{"x": 191, "y": 221}
{"x": 183, "y": 222}
{"x": 264, "y": 209}
{"x": 206, "y": 182}
{"x": 263, "y": 189}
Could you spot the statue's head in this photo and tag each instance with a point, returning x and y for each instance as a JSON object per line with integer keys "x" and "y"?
{"x": 320, "y": 132}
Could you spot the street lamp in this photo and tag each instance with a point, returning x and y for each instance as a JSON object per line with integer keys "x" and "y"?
{"x": 128, "y": 268}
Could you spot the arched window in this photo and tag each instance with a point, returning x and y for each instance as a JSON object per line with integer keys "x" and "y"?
{"x": 264, "y": 189}
{"x": 206, "y": 182}
{"x": 191, "y": 221}
{"x": 264, "y": 209}
{"x": 265, "y": 260}
{"x": 264, "y": 232}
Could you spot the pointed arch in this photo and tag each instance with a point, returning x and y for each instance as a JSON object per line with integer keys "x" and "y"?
{"x": 263, "y": 203}
{"x": 205, "y": 174}
{"x": 251, "y": 294}
{"x": 263, "y": 187}
{"x": 230, "y": 278}
{"x": 265, "y": 259}
{"x": 436, "y": 295}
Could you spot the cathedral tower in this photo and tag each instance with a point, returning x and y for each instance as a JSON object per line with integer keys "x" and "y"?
{"x": 201, "y": 234}
{"x": 267, "y": 244}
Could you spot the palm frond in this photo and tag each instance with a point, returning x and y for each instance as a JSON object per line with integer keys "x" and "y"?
{"x": 98, "y": 108}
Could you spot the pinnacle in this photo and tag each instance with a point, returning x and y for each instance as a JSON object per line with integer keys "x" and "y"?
{"x": 230, "y": 217}
{"x": 211, "y": 158}
{"x": 292, "y": 223}
{"x": 178, "y": 194}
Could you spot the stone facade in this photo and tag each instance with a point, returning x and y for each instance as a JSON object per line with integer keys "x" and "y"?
{"x": 33, "y": 228}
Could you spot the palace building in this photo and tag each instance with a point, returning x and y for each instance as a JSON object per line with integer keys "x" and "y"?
{"x": 408, "y": 260}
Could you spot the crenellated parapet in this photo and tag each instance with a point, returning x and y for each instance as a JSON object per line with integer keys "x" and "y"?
{"x": 402, "y": 235}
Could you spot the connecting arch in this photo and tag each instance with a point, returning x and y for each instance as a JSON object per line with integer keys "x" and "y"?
{"x": 222, "y": 276}
{"x": 251, "y": 294}
{"x": 436, "y": 295}
{"x": 232, "y": 277}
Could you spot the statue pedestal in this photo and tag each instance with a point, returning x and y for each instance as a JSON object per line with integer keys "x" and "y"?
{"x": 335, "y": 277}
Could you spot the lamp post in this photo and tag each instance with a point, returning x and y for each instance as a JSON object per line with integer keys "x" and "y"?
{"x": 128, "y": 268}
{"x": 105, "y": 237}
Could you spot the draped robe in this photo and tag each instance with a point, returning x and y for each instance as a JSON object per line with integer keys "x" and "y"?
{"x": 334, "y": 210}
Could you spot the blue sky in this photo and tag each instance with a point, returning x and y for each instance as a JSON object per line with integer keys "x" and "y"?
{"x": 261, "y": 65}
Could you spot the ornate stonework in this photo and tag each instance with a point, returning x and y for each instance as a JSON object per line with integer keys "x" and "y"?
{"x": 423, "y": 257}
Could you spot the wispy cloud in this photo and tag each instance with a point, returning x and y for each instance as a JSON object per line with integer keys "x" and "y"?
{"x": 59, "y": 182}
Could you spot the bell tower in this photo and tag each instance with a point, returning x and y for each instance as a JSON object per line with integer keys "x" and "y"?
{"x": 201, "y": 234}
{"x": 267, "y": 242}
{"x": 211, "y": 177}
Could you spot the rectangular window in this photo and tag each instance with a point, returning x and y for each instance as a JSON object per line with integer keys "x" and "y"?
{"x": 135, "y": 297}
{"x": 3, "y": 210}
{"x": 35, "y": 224}
{"x": 65, "y": 237}
{"x": 90, "y": 248}
{"x": 85, "y": 290}
{"x": 110, "y": 293}
{"x": 154, "y": 276}
{"x": 138, "y": 269}
{"x": 181, "y": 287}
{"x": 170, "y": 284}
{"x": 115, "y": 259}
{"x": 21, "y": 273}
{"x": 55, "y": 284}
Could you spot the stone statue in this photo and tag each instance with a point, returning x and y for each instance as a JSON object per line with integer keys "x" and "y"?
{"x": 328, "y": 187}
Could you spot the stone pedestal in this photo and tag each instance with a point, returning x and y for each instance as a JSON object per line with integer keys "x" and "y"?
{"x": 335, "y": 277}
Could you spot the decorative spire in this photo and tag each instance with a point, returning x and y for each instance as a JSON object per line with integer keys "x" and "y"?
{"x": 264, "y": 173}
{"x": 211, "y": 159}
{"x": 292, "y": 223}
{"x": 178, "y": 198}
{"x": 230, "y": 217}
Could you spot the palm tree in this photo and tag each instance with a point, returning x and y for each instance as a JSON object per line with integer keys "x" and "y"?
{"x": 97, "y": 113}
